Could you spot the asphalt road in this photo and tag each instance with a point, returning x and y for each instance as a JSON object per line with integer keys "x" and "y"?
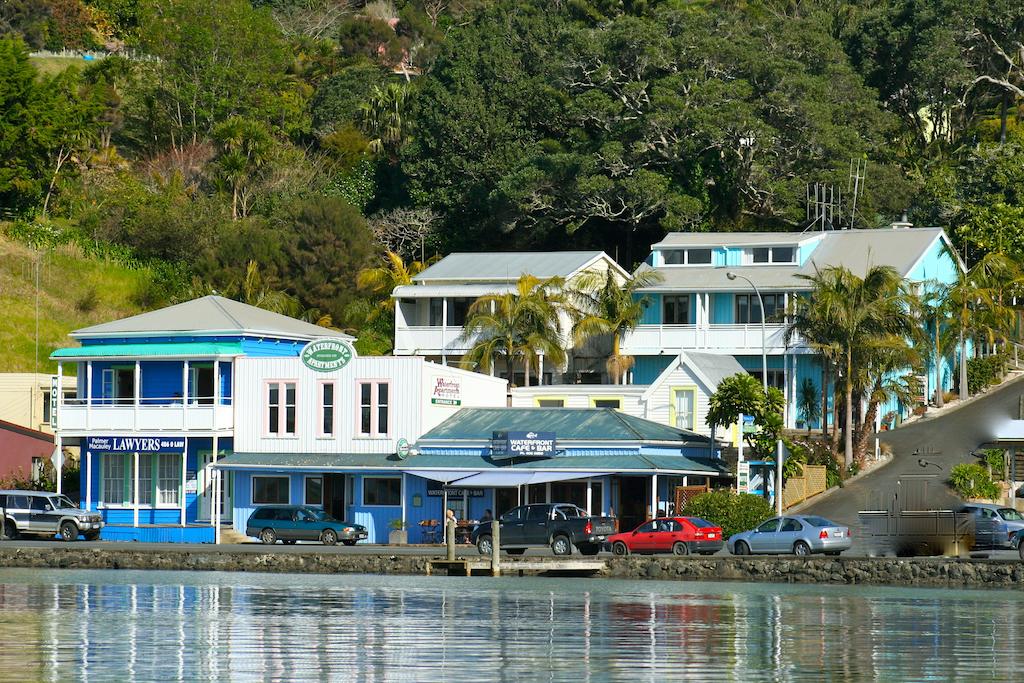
{"x": 944, "y": 440}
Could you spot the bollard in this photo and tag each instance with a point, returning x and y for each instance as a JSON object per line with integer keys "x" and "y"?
{"x": 449, "y": 538}
{"x": 495, "y": 548}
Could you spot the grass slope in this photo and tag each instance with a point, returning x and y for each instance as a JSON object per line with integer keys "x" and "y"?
{"x": 52, "y": 66}
{"x": 74, "y": 291}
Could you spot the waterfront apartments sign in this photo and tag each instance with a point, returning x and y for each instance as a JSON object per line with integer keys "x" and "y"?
{"x": 327, "y": 355}
{"x": 446, "y": 391}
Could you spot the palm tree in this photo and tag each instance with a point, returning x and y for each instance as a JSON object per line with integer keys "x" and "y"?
{"x": 518, "y": 325}
{"x": 607, "y": 306}
{"x": 243, "y": 149}
{"x": 934, "y": 318}
{"x": 254, "y": 292}
{"x": 381, "y": 117}
{"x": 879, "y": 365}
{"x": 383, "y": 280}
{"x": 852, "y": 313}
{"x": 808, "y": 321}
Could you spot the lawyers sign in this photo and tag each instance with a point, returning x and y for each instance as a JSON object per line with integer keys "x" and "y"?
{"x": 522, "y": 445}
{"x": 135, "y": 444}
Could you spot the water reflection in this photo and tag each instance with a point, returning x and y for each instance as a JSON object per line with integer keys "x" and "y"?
{"x": 93, "y": 626}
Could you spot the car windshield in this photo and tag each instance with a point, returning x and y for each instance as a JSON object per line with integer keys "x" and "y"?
{"x": 321, "y": 515}
{"x": 1011, "y": 515}
{"x": 62, "y": 502}
{"x": 700, "y": 523}
{"x": 818, "y": 521}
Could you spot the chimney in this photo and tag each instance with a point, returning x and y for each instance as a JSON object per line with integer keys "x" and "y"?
{"x": 902, "y": 223}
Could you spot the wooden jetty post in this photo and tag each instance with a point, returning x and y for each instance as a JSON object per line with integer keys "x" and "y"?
{"x": 449, "y": 538}
{"x": 495, "y": 548}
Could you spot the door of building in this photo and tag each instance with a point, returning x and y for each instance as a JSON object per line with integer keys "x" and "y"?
{"x": 334, "y": 496}
{"x": 633, "y": 502}
{"x": 227, "y": 488}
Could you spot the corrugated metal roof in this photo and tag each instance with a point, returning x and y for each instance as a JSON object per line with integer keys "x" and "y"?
{"x": 712, "y": 278}
{"x": 425, "y": 462}
{"x": 210, "y": 314}
{"x": 715, "y": 366}
{"x": 569, "y": 424}
{"x": 438, "y": 291}
{"x": 860, "y": 250}
{"x": 508, "y": 266}
{"x": 168, "y": 350}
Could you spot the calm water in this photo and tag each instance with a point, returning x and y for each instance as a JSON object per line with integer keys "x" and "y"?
{"x": 171, "y": 626}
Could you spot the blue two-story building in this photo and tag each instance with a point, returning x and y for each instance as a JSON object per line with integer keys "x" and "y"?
{"x": 155, "y": 410}
{"x": 707, "y": 300}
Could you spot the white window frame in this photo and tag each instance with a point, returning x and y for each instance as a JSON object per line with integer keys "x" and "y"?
{"x": 748, "y": 255}
{"x": 686, "y": 257}
{"x": 305, "y": 481}
{"x": 282, "y": 408}
{"x": 376, "y": 432}
{"x": 322, "y": 406}
{"x": 288, "y": 488}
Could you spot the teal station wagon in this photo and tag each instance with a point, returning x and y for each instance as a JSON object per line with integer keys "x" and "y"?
{"x": 291, "y": 523}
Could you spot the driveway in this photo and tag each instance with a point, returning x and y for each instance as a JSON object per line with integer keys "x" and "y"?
{"x": 945, "y": 440}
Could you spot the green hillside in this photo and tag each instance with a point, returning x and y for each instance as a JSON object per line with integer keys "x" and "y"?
{"x": 74, "y": 291}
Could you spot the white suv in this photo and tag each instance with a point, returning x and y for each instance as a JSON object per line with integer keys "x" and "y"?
{"x": 46, "y": 514}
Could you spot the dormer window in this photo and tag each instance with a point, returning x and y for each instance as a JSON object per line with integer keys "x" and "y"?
{"x": 759, "y": 255}
{"x": 686, "y": 257}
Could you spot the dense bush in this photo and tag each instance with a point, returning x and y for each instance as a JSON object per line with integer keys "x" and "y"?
{"x": 982, "y": 372}
{"x": 971, "y": 480}
{"x": 733, "y": 512}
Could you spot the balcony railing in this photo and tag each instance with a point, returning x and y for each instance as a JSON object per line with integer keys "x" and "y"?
{"x": 146, "y": 415}
{"x": 430, "y": 340}
{"x": 742, "y": 338}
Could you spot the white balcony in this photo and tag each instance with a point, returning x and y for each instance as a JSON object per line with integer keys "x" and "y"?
{"x": 648, "y": 340}
{"x": 102, "y": 416}
{"x": 423, "y": 340}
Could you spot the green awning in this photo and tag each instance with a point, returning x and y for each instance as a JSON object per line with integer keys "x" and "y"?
{"x": 164, "y": 350}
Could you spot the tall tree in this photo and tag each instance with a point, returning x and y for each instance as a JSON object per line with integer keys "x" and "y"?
{"x": 517, "y": 326}
{"x": 607, "y": 305}
{"x": 381, "y": 281}
{"x": 858, "y": 311}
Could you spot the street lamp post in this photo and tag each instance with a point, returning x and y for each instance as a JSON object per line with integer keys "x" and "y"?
{"x": 764, "y": 383}
{"x": 764, "y": 350}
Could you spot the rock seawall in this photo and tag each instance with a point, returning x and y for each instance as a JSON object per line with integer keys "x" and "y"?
{"x": 868, "y": 571}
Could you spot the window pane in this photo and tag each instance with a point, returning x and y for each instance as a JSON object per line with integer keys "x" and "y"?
{"x": 289, "y": 420}
{"x": 169, "y": 479}
{"x": 364, "y": 394}
{"x": 684, "y": 409}
{"x": 761, "y": 254}
{"x": 146, "y": 462}
{"x": 289, "y": 394}
{"x": 314, "y": 491}
{"x": 382, "y": 491}
{"x": 607, "y": 403}
{"x": 698, "y": 256}
{"x": 673, "y": 256}
{"x": 551, "y": 403}
{"x": 274, "y": 395}
{"x": 382, "y": 419}
{"x": 382, "y": 394}
{"x": 113, "y": 479}
{"x": 364, "y": 420}
{"x": 783, "y": 254}
{"x": 270, "y": 490}
{"x": 328, "y": 424}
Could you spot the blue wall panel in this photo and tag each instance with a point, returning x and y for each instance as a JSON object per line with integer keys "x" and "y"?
{"x": 647, "y": 368}
{"x": 162, "y": 380}
{"x": 722, "y": 312}
{"x": 652, "y": 310}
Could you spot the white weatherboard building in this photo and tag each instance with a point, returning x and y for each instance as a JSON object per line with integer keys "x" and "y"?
{"x": 430, "y": 313}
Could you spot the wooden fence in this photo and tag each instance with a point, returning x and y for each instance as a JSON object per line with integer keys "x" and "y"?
{"x": 685, "y": 493}
{"x": 798, "y": 489}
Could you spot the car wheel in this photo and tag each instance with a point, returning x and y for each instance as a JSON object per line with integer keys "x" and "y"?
{"x": 484, "y": 546}
{"x": 268, "y": 537}
{"x": 328, "y": 536}
{"x": 680, "y": 548}
{"x": 349, "y": 542}
{"x": 741, "y": 548}
{"x": 560, "y": 545}
{"x": 289, "y": 542}
{"x": 92, "y": 536}
{"x": 10, "y": 530}
{"x": 68, "y": 531}
{"x": 620, "y": 548}
{"x": 801, "y": 548}
{"x": 516, "y": 551}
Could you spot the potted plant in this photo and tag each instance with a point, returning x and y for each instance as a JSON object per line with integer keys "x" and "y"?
{"x": 398, "y": 534}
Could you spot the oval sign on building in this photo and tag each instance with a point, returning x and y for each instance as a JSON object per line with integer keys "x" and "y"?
{"x": 327, "y": 355}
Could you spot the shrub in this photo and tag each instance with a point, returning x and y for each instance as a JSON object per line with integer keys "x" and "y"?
{"x": 733, "y": 512}
{"x": 88, "y": 301}
{"x": 981, "y": 372}
{"x": 971, "y": 480}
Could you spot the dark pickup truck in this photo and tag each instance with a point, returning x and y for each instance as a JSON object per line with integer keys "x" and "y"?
{"x": 558, "y": 525}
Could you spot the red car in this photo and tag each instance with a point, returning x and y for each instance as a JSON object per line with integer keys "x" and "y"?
{"x": 676, "y": 535}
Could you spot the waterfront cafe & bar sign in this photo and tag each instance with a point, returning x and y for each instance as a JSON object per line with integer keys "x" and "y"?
{"x": 507, "y": 445}
{"x": 327, "y": 355}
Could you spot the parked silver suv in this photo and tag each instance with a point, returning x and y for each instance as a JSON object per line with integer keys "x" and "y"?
{"x": 47, "y": 514}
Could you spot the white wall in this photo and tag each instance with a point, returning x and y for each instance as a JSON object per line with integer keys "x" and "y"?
{"x": 660, "y": 400}
{"x": 410, "y": 411}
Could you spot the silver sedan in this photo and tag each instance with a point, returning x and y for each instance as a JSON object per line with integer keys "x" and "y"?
{"x": 797, "y": 534}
